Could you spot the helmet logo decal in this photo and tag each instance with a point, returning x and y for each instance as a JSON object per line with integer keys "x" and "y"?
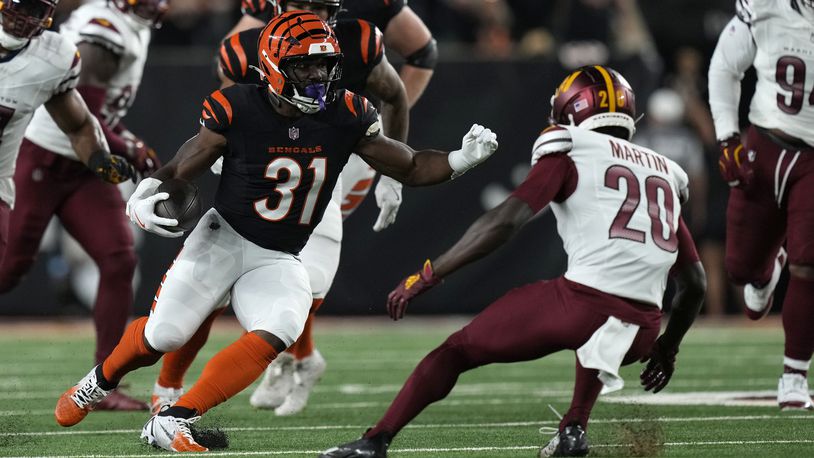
{"x": 580, "y": 105}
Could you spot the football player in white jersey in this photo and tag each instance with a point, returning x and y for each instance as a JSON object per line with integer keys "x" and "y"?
{"x": 112, "y": 38}
{"x": 39, "y": 68}
{"x": 771, "y": 170}
{"x": 617, "y": 207}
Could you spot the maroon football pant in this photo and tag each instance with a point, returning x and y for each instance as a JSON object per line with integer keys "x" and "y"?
{"x": 525, "y": 324}
{"x": 5, "y": 215}
{"x": 92, "y": 211}
{"x": 777, "y": 207}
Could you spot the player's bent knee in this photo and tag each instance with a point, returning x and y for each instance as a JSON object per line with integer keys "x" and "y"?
{"x": 271, "y": 339}
{"x": 286, "y": 327}
{"x": 166, "y": 337}
{"x": 118, "y": 265}
{"x": 803, "y": 271}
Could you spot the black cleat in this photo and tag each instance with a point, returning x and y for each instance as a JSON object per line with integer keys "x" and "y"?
{"x": 373, "y": 447}
{"x": 571, "y": 441}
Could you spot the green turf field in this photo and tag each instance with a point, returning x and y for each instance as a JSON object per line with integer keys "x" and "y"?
{"x": 494, "y": 411}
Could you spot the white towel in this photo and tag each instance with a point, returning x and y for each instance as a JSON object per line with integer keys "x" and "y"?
{"x": 605, "y": 350}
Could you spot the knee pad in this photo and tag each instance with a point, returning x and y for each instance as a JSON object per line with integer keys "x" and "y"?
{"x": 166, "y": 337}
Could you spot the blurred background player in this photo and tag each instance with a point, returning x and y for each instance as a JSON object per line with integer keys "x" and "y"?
{"x": 39, "y": 68}
{"x": 607, "y": 306}
{"x": 366, "y": 71}
{"x": 112, "y": 38}
{"x": 771, "y": 170}
{"x": 246, "y": 246}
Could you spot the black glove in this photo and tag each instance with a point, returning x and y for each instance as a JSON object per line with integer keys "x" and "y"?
{"x": 111, "y": 168}
{"x": 660, "y": 367}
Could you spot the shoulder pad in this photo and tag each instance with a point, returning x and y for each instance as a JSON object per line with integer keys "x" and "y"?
{"x": 105, "y": 32}
{"x": 554, "y": 139}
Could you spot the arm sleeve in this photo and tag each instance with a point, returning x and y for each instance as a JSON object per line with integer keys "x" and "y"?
{"x": 217, "y": 112}
{"x": 733, "y": 55}
{"x": 553, "y": 178}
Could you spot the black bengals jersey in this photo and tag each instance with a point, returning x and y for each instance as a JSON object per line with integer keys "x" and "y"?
{"x": 361, "y": 44}
{"x": 379, "y": 12}
{"x": 279, "y": 172}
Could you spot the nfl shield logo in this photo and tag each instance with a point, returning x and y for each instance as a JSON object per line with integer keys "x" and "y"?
{"x": 293, "y": 133}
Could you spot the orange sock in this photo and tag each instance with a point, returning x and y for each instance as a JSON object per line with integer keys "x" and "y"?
{"x": 130, "y": 353}
{"x": 304, "y": 346}
{"x": 176, "y": 363}
{"x": 229, "y": 372}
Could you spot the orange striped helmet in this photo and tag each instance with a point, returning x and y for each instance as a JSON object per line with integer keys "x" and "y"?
{"x": 300, "y": 59}
{"x": 595, "y": 96}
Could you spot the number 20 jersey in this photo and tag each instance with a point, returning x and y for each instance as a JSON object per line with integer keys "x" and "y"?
{"x": 278, "y": 172}
{"x": 784, "y": 61}
{"x": 619, "y": 224}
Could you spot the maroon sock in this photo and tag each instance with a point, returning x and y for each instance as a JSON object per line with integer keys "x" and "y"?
{"x": 114, "y": 302}
{"x": 586, "y": 389}
{"x": 798, "y": 318}
{"x": 431, "y": 381}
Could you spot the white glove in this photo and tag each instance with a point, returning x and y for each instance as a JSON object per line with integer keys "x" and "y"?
{"x": 388, "y": 199}
{"x": 477, "y": 145}
{"x": 217, "y": 167}
{"x": 141, "y": 209}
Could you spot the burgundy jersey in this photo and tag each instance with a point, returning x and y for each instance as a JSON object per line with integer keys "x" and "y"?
{"x": 361, "y": 44}
{"x": 379, "y": 12}
{"x": 278, "y": 172}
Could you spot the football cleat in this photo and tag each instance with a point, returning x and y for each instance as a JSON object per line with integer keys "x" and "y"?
{"x": 116, "y": 400}
{"x": 309, "y": 371}
{"x": 171, "y": 433}
{"x": 75, "y": 404}
{"x": 366, "y": 447}
{"x": 571, "y": 441}
{"x": 759, "y": 300}
{"x": 276, "y": 384}
{"x": 792, "y": 392}
{"x": 164, "y": 398}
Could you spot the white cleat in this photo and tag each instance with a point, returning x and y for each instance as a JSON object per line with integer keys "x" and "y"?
{"x": 309, "y": 371}
{"x": 276, "y": 384}
{"x": 164, "y": 398}
{"x": 759, "y": 300}
{"x": 172, "y": 434}
{"x": 792, "y": 393}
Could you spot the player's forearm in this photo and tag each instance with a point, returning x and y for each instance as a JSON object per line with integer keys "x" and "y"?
{"x": 488, "y": 233}
{"x": 88, "y": 139}
{"x": 687, "y": 303}
{"x": 428, "y": 167}
{"x": 415, "y": 81}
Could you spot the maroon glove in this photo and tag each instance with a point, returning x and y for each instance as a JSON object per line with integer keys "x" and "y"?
{"x": 409, "y": 288}
{"x": 660, "y": 367}
{"x": 734, "y": 163}
{"x": 142, "y": 156}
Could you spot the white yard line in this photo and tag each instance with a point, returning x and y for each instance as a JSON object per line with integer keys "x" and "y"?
{"x": 437, "y": 426}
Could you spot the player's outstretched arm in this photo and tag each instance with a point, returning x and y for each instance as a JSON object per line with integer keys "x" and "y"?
{"x": 427, "y": 167}
{"x": 70, "y": 113}
{"x": 692, "y": 285}
{"x": 485, "y": 235}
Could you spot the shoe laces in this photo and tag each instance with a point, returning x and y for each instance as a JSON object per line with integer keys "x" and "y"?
{"x": 182, "y": 425}
{"x": 88, "y": 394}
{"x": 548, "y": 430}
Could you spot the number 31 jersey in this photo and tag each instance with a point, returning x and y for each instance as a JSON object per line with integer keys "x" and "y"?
{"x": 619, "y": 224}
{"x": 278, "y": 172}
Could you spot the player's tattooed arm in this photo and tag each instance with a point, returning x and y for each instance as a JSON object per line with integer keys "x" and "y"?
{"x": 194, "y": 157}
{"x": 384, "y": 83}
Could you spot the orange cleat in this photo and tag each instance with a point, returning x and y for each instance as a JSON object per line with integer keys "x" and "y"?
{"x": 75, "y": 404}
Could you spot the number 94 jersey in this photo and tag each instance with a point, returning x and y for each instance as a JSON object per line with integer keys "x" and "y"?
{"x": 279, "y": 172}
{"x": 619, "y": 224}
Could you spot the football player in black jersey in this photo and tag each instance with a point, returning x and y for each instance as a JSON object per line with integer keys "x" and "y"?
{"x": 289, "y": 380}
{"x": 284, "y": 144}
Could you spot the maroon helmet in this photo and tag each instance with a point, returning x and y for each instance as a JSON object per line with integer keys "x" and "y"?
{"x": 26, "y": 18}
{"x": 150, "y": 12}
{"x": 595, "y": 96}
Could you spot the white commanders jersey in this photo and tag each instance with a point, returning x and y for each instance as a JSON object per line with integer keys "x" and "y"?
{"x": 118, "y": 32}
{"x": 49, "y": 65}
{"x": 777, "y": 38}
{"x": 619, "y": 225}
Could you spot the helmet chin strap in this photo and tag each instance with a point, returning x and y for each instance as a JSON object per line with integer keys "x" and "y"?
{"x": 11, "y": 42}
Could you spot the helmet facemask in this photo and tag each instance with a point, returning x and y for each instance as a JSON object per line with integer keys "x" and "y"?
{"x": 23, "y": 20}
{"x": 807, "y": 9}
